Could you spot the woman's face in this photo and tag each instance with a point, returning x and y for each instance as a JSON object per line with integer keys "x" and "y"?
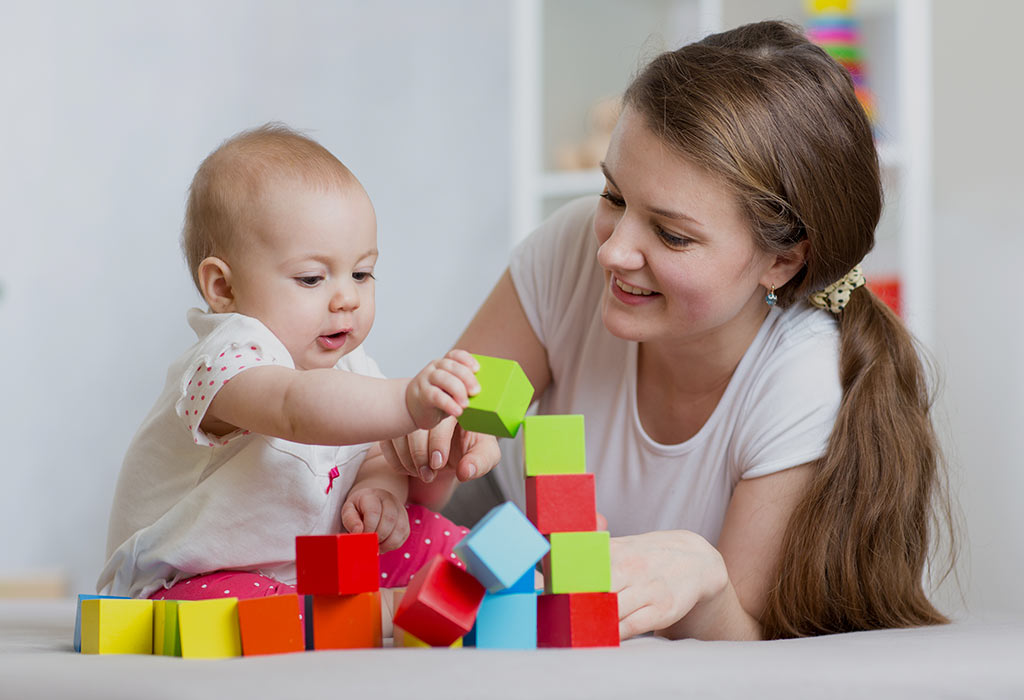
{"x": 679, "y": 258}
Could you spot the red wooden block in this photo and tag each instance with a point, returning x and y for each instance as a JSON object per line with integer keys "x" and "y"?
{"x": 337, "y": 564}
{"x": 347, "y": 621}
{"x": 578, "y": 620}
{"x": 561, "y": 503}
{"x": 271, "y": 625}
{"x": 888, "y": 290}
{"x": 440, "y": 603}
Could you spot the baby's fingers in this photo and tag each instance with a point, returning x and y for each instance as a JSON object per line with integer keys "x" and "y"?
{"x": 465, "y": 371}
{"x": 442, "y": 395}
{"x": 350, "y": 518}
{"x": 464, "y": 358}
{"x": 393, "y": 531}
{"x": 371, "y": 510}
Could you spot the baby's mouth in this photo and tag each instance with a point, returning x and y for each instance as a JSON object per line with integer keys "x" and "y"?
{"x": 333, "y": 341}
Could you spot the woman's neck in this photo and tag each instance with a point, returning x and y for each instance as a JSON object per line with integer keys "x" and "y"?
{"x": 679, "y": 384}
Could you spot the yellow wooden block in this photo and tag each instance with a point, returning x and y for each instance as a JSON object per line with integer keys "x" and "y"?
{"x": 209, "y": 628}
{"x": 117, "y": 626}
{"x": 166, "y": 641}
{"x": 404, "y": 639}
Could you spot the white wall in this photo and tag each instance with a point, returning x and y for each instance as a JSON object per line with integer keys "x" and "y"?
{"x": 979, "y": 252}
{"x": 106, "y": 109}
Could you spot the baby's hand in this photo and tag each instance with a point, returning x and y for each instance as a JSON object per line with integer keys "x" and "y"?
{"x": 376, "y": 510}
{"x": 442, "y": 388}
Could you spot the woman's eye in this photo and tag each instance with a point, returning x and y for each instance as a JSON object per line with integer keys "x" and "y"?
{"x": 612, "y": 199}
{"x": 670, "y": 239}
{"x": 362, "y": 276}
{"x": 310, "y": 281}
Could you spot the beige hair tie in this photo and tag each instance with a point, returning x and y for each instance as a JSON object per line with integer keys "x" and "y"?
{"x": 835, "y": 296}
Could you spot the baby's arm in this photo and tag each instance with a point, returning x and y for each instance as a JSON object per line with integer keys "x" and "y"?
{"x": 376, "y": 502}
{"x": 335, "y": 407}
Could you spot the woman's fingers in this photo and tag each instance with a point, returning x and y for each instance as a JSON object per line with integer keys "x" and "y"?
{"x": 480, "y": 454}
{"x": 439, "y": 444}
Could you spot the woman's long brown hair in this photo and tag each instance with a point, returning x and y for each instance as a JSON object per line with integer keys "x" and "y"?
{"x": 777, "y": 120}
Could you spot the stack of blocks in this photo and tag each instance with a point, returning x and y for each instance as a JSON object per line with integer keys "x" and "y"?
{"x": 340, "y": 576}
{"x": 577, "y": 608}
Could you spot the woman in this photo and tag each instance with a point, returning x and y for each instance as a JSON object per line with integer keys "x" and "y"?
{"x": 757, "y": 420}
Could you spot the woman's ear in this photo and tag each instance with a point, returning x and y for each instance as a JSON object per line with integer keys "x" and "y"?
{"x": 215, "y": 283}
{"x": 786, "y": 265}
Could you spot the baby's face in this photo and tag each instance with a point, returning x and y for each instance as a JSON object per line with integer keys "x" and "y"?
{"x": 306, "y": 270}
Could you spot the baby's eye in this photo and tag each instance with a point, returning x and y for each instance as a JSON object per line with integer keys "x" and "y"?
{"x": 363, "y": 276}
{"x": 310, "y": 281}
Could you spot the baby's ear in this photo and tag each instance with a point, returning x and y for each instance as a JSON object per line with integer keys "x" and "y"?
{"x": 215, "y": 282}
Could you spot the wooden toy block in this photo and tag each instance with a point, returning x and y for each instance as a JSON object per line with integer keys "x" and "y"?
{"x": 505, "y": 394}
{"x": 270, "y": 625}
{"x": 554, "y": 445}
{"x": 578, "y": 620}
{"x": 209, "y": 628}
{"x": 527, "y": 583}
{"x": 440, "y": 603}
{"x": 78, "y": 613}
{"x": 401, "y": 638}
{"x": 347, "y": 621}
{"x": 166, "y": 635}
{"x": 306, "y": 601}
{"x": 579, "y": 562}
{"x": 506, "y": 621}
{"x": 502, "y": 547}
{"x": 337, "y": 564}
{"x": 117, "y": 626}
{"x": 561, "y": 502}
{"x": 404, "y": 639}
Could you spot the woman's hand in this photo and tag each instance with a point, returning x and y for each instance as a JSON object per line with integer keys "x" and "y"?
{"x": 662, "y": 577}
{"x": 421, "y": 454}
{"x": 377, "y": 510}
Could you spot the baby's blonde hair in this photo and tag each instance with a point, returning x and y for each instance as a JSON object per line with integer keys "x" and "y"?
{"x": 231, "y": 180}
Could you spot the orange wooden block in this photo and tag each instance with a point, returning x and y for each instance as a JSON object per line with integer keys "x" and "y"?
{"x": 271, "y": 625}
{"x": 347, "y": 621}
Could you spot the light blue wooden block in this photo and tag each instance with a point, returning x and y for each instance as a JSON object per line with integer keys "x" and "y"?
{"x": 502, "y": 548}
{"x": 526, "y": 584}
{"x": 506, "y": 621}
{"x": 78, "y": 615}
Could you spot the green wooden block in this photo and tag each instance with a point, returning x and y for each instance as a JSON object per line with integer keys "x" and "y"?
{"x": 505, "y": 394}
{"x": 554, "y": 445}
{"x": 166, "y": 639}
{"x": 579, "y": 562}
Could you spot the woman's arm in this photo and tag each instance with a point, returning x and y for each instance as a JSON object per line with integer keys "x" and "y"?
{"x": 679, "y": 585}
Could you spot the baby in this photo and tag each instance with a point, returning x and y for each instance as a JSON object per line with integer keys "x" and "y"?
{"x": 266, "y": 428}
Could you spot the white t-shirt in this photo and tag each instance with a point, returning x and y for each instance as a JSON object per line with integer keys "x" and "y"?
{"x": 777, "y": 411}
{"x": 188, "y": 503}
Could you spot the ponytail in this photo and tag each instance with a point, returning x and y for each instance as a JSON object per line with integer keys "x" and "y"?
{"x": 854, "y": 552}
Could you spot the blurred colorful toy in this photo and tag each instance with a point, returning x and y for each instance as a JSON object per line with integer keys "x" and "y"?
{"x": 833, "y": 26}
